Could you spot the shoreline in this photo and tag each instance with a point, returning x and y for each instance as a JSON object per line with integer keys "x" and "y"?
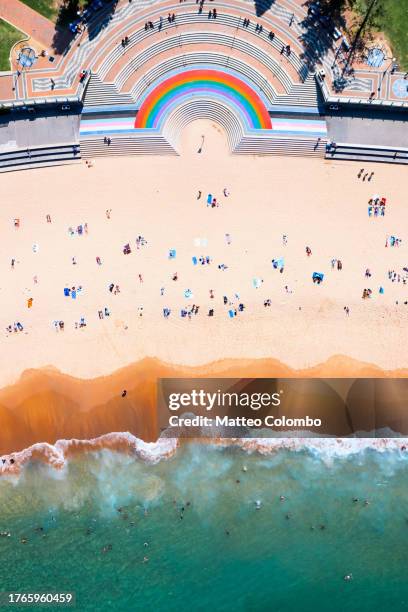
{"x": 46, "y": 405}
{"x": 57, "y": 456}
{"x": 99, "y": 275}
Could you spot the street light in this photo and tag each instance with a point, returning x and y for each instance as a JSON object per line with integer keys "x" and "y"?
{"x": 393, "y": 60}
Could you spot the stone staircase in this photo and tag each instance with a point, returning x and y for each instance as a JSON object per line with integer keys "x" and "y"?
{"x": 126, "y": 145}
{"x": 39, "y": 157}
{"x": 367, "y": 153}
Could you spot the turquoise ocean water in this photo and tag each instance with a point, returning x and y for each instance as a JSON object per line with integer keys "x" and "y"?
{"x": 208, "y": 546}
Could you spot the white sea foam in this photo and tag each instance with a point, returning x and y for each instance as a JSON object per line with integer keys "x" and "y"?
{"x": 57, "y": 455}
{"x": 324, "y": 447}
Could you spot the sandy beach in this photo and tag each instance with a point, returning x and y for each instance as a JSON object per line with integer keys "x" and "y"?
{"x": 312, "y": 203}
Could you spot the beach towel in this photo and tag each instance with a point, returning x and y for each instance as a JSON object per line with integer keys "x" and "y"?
{"x": 278, "y": 263}
{"x": 73, "y": 294}
{"x": 66, "y": 292}
{"x": 231, "y": 314}
{"x": 256, "y": 282}
{"x": 318, "y": 276}
{"x": 172, "y": 253}
{"x": 194, "y": 260}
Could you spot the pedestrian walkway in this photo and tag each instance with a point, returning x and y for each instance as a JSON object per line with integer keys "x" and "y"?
{"x": 27, "y": 20}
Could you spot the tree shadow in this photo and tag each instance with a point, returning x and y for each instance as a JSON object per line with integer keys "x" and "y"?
{"x": 318, "y": 37}
{"x": 261, "y": 6}
{"x": 95, "y": 16}
{"x": 97, "y": 25}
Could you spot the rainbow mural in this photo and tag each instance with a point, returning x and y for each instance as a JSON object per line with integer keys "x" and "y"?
{"x": 212, "y": 84}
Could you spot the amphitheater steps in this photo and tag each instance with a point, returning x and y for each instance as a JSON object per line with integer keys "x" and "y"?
{"x": 282, "y": 146}
{"x": 126, "y": 145}
{"x": 39, "y": 157}
{"x": 97, "y": 91}
{"x": 157, "y": 145}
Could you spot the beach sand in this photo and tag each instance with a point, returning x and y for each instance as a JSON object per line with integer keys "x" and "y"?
{"x": 46, "y": 405}
{"x": 315, "y": 203}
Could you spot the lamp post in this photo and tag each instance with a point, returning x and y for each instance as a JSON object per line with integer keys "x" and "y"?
{"x": 393, "y": 60}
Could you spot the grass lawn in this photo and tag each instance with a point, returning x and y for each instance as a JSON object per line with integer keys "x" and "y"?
{"x": 391, "y": 17}
{"x": 395, "y": 25}
{"x": 8, "y": 36}
{"x": 51, "y": 8}
{"x": 48, "y": 8}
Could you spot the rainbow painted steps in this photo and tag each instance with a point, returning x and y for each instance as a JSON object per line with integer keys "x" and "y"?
{"x": 208, "y": 84}
{"x": 220, "y": 95}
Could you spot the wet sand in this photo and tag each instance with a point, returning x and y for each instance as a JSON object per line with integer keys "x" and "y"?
{"x": 46, "y": 405}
